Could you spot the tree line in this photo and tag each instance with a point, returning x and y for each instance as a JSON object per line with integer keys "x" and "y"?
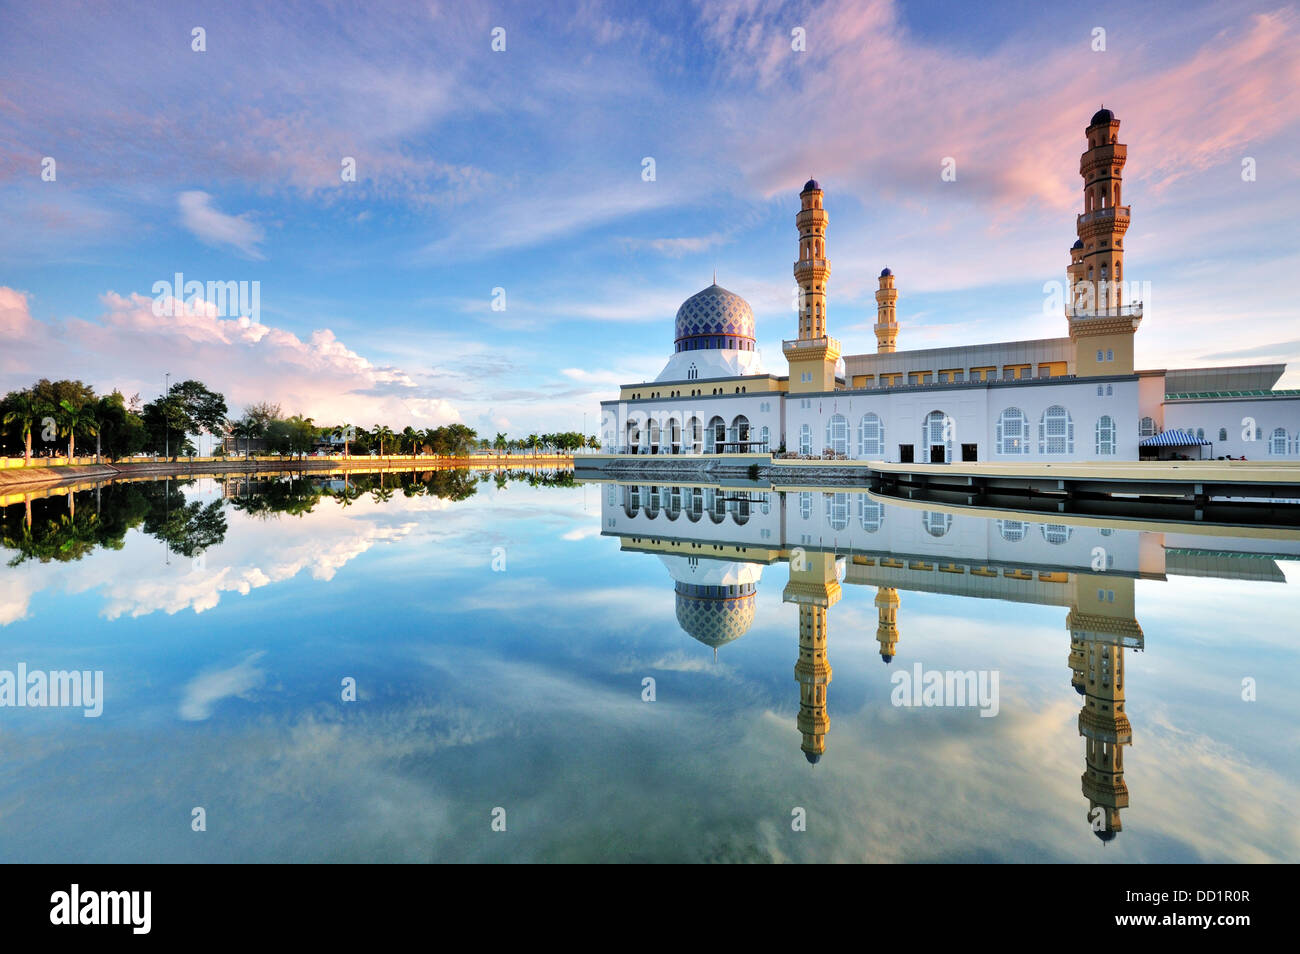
{"x": 48, "y": 413}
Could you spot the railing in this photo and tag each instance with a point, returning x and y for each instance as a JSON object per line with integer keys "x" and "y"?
{"x": 812, "y": 263}
{"x": 1131, "y": 310}
{"x": 1110, "y": 211}
{"x": 796, "y": 343}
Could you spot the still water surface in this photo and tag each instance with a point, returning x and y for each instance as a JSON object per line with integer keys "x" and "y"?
{"x": 502, "y": 633}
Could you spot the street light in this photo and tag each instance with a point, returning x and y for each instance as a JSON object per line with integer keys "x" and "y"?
{"x": 167, "y": 428}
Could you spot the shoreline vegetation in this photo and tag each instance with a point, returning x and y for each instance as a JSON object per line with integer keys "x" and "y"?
{"x": 41, "y": 427}
{"x": 46, "y": 472}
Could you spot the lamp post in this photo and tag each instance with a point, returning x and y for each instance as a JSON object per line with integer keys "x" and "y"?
{"x": 167, "y": 428}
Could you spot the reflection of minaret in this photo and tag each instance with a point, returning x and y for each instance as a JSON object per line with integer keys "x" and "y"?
{"x": 1101, "y": 624}
{"x": 887, "y": 629}
{"x": 815, "y": 586}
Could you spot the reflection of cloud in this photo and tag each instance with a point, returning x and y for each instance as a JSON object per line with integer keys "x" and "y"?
{"x": 205, "y": 690}
{"x": 15, "y": 597}
{"x": 581, "y": 533}
{"x": 201, "y": 589}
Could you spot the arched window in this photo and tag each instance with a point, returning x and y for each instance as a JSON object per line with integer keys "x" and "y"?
{"x": 692, "y": 372}
{"x": 871, "y": 513}
{"x": 694, "y": 436}
{"x": 805, "y": 439}
{"x": 937, "y": 430}
{"x": 694, "y": 504}
{"x": 1146, "y": 427}
{"x": 871, "y": 437}
{"x": 1223, "y": 433}
{"x": 654, "y": 435}
{"x": 936, "y": 523}
{"x": 1106, "y": 436}
{"x": 837, "y": 434}
{"x": 1277, "y": 442}
{"x": 1013, "y": 531}
{"x": 1012, "y": 432}
{"x": 1056, "y": 431}
{"x": 1056, "y": 533}
{"x": 631, "y": 500}
{"x": 739, "y": 432}
{"x": 633, "y": 436}
{"x": 837, "y": 510}
{"x": 715, "y": 436}
{"x": 805, "y": 505}
{"x": 764, "y": 439}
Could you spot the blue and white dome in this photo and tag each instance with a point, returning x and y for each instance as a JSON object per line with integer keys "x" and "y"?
{"x": 715, "y": 615}
{"x": 714, "y": 319}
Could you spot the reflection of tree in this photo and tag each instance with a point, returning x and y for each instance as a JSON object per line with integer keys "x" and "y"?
{"x": 295, "y": 496}
{"x": 186, "y": 527}
{"x": 64, "y": 538}
{"x": 47, "y": 528}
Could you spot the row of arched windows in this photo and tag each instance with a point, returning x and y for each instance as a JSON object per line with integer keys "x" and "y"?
{"x": 1055, "y": 432}
{"x": 670, "y": 437}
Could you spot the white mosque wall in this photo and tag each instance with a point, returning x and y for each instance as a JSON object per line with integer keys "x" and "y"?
{"x": 974, "y": 413}
{"x": 1226, "y": 423}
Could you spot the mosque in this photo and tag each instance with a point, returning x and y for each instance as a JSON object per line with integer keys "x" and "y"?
{"x": 1071, "y": 398}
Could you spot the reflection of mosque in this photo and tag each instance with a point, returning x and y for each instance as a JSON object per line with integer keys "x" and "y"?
{"x": 715, "y": 542}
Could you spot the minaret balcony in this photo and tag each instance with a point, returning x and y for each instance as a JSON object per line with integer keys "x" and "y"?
{"x": 824, "y": 343}
{"x": 1109, "y": 213}
{"x": 810, "y": 265}
{"x": 1102, "y": 311}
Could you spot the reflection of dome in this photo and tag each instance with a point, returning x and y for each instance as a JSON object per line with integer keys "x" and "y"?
{"x": 714, "y": 318}
{"x": 1102, "y": 116}
{"x": 715, "y": 615}
{"x": 888, "y": 658}
{"x": 1105, "y": 834}
{"x": 812, "y": 757}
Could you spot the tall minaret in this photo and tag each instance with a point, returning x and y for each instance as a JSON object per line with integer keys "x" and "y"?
{"x": 886, "y": 323}
{"x": 1100, "y": 627}
{"x": 1101, "y": 320}
{"x": 813, "y": 354}
{"x": 887, "y": 628}
{"x": 815, "y": 586}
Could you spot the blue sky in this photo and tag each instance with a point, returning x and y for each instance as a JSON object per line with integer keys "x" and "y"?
{"x": 522, "y": 170}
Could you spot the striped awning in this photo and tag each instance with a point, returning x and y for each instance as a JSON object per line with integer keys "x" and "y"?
{"x": 1172, "y": 439}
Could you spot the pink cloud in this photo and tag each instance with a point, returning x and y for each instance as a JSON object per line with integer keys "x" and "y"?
{"x": 129, "y": 347}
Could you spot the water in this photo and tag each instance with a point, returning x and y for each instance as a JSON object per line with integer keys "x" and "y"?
{"x": 500, "y": 635}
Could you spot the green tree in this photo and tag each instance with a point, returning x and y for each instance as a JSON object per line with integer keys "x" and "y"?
{"x": 25, "y": 409}
{"x": 73, "y": 419}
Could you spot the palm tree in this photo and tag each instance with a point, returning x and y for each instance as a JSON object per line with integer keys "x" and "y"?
{"x": 500, "y": 443}
{"x": 533, "y": 441}
{"x": 383, "y": 435}
{"x": 28, "y": 411}
{"x": 345, "y": 430}
{"x": 76, "y": 419}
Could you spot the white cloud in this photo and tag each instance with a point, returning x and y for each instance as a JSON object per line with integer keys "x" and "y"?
{"x": 214, "y": 227}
